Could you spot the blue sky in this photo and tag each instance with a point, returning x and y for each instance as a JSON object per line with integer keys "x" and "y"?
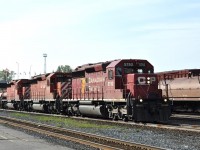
{"x": 76, "y": 32}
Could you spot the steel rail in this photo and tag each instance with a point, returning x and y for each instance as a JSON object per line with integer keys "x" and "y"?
{"x": 96, "y": 141}
{"x": 56, "y": 135}
{"x": 174, "y": 127}
{"x": 186, "y": 116}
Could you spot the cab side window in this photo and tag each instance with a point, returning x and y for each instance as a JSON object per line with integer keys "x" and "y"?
{"x": 48, "y": 82}
{"x": 110, "y": 74}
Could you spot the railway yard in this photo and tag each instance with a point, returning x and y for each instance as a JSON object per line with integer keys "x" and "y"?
{"x": 119, "y": 104}
{"x": 120, "y": 75}
{"x": 181, "y": 132}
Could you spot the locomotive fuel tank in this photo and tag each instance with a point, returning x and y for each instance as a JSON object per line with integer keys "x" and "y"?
{"x": 10, "y": 105}
{"x": 91, "y": 110}
{"x": 38, "y": 107}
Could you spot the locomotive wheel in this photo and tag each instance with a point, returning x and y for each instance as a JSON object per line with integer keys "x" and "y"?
{"x": 125, "y": 118}
{"x": 115, "y": 117}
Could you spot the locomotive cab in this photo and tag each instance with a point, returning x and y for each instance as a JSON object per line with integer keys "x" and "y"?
{"x": 135, "y": 82}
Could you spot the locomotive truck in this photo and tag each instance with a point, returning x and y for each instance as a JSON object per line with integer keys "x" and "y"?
{"x": 120, "y": 89}
{"x": 182, "y": 88}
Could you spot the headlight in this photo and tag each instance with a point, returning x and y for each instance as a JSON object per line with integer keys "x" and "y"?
{"x": 141, "y": 100}
{"x": 165, "y": 100}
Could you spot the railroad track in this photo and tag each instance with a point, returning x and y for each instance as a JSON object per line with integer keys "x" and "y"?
{"x": 186, "y": 116}
{"x": 186, "y": 119}
{"x": 168, "y": 126}
{"x": 96, "y": 141}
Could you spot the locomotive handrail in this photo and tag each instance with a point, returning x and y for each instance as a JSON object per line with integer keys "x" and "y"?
{"x": 128, "y": 95}
{"x": 93, "y": 94}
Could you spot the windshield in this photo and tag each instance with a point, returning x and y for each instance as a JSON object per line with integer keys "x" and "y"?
{"x": 132, "y": 70}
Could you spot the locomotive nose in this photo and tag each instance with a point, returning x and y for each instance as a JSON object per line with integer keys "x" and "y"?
{"x": 152, "y": 110}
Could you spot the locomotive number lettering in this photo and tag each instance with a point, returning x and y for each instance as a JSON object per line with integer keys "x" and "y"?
{"x": 42, "y": 86}
{"x": 141, "y": 64}
{"x": 110, "y": 83}
{"x": 128, "y": 65}
{"x": 96, "y": 80}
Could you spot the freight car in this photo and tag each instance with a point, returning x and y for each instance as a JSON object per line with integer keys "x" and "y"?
{"x": 121, "y": 89}
{"x": 182, "y": 88}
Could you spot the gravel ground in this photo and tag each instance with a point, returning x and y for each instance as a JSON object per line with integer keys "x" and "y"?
{"x": 68, "y": 144}
{"x": 155, "y": 137}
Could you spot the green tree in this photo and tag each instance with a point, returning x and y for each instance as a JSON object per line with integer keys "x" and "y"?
{"x": 6, "y": 75}
{"x": 64, "y": 68}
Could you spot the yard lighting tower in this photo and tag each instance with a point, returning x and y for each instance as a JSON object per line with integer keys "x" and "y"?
{"x": 45, "y": 56}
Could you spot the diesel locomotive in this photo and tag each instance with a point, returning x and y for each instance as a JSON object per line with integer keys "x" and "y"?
{"x": 120, "y": 89}
{"x": 182, "y": 88}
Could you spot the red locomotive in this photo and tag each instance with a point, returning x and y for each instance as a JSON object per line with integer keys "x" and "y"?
{"x": 182, "y": 87}
{"x": 121, "y": 89}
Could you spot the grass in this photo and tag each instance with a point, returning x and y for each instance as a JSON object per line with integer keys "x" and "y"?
{"x": 70, "y": 122}
{"x": 20, "y": 115}
{"x": 63, "y": 122}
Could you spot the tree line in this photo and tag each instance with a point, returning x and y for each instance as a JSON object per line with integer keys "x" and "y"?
{"x": 7, "y": 75}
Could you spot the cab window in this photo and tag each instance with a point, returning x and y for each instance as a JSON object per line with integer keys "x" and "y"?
{"x": 48, "y": 82}
{"x": 128, "y": 70}
{"x": 119, "y": 71}
{"x": 110, "y": 74}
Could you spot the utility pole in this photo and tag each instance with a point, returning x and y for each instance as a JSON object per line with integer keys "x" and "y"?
{"x": 17, "y": 70}
{"x": 30, "y": 72}
{"x": 45, "y": 56}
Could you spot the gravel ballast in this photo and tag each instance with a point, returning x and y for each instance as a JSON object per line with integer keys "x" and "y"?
{"x": 163, "y": 138}
{"x": 68, "y": 144}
